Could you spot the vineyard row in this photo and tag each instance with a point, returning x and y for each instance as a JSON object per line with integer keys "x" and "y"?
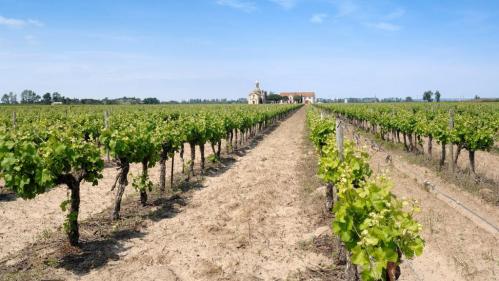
{"x": 468, "y": 126}
{"x": 375, "y": 227}
{"x": 42, "y": 147}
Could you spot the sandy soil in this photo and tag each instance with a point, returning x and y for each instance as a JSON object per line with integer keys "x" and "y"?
{"x": 484, "y": 161}
{"x": 25, "y": 221}
{"x": 246, "y": 224}
{"x": 254, "y": 222}
{"x": 261, "y": 219}
{"x": 459, "y": 246}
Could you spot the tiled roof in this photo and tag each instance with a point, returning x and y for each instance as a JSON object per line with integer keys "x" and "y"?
{"x": 302, "y": 94}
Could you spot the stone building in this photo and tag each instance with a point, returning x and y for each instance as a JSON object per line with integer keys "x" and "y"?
{"x": 257, "y": 96}
{"x": 299, "y": 97}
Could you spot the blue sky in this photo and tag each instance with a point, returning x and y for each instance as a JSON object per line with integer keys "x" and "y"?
{"x": 181, "y": 49}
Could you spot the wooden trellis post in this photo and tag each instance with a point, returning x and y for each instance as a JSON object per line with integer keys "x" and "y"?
{"x": 351, "y": 271}
{"x": 451, "y": 145}
{"x": 106, "y": 125}
{"x": 339, "y": 138}
{"x": 14, "y": 119}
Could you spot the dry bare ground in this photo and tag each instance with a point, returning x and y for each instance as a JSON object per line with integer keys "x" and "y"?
{"x": 485, "y": 161}
{"x": 246, "y": 224}
{"x": 261, "y": 219}
{"x": 459, "y": 244}
{"x": 24, "y": 221}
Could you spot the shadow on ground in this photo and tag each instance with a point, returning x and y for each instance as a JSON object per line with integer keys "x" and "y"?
{"x": 7, "y": 196}
{"x": 101, "y": 239}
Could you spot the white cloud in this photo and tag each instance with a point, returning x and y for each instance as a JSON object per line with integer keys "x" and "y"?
{"x": 318, "y": 18}
{"x": 35, "y": 23}
{"x": 286, "y": 4}
{"x": 245, "y": 6}
{"x": 386, "y": 26}
{"x": 10, "y": 22}
{"x": 398, "y": 13}
{"x": 345, "y": 7}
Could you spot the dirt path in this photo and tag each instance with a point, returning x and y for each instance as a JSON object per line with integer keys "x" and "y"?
{"x": 458, "y": 245}
{"x": 249, "y": 223}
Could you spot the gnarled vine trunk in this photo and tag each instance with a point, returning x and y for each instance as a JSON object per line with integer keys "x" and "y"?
{"x": 122, "y": 183}
{"x": 219, "y": 148}
{"x": 411, "y": 145}
{"x": 329, "y": 197}
{"x": 71, "y": 223}
{"x": 201, "y": 150}
{"x": 162, "y": 171}
{"x": 182, "y": 158}
{"x": 430, "y": 145}
{"x": 73, "y": 231}
{"x": 471, "y": 154}
{"x": 442, "y": 157}
{"x": 171, "y": 172}
{"x": 420, "y": 142}
{"x": 193, "y": 158}
{"x": 405, "y": 143}
{"x": 459, "y": 148}
{"x": 235, "y": 145}
{"x": 392, "y": 271}
{"x": 143, "y": 191}
{"x": 213, "y": 148}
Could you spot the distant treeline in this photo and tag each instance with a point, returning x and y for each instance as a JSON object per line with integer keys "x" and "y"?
{"x": 428, "y": 96}
{"x": 30, "y": 97}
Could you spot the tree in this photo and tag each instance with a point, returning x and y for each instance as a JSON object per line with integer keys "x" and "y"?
{"x": 29, "y": 96}
{"x": 428, "y": 96}
{"x": 298, "y": 99}
{"x": 24, "y": 96}
{"x": 274, "y": 98}
{"x": 47, "y": 98}
{"x": 5, "y": 99}
{"x": 408, "y": 99}
{"x": 437, "y": 96}
{"x": 150, "y": 101}
{"x": 56, "y": 97}
{"x": 12, "y": 98}
{"x": 477, "y": 97}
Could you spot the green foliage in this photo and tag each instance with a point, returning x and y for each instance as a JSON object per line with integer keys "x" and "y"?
{"x": 374, "y": 225}
{"x": 31, "y": 163}
{"x": 64, "y": 205}
{"x": 320, "y": 129}
{"x": 133, "y": 140}
{"x": 213, "y": 158}
{"x": 428, "y": 96}
{"x": 47, "y": 146}
{"x": 142, "y": 183}
{"x": 151, "y": 101}
{"x": 275, "y": 98}
{"x": 476, "y": 126}
{"x": 354, "y": 168}
{"x": 70, "y": 217}
{"x": 437, "y": 96}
